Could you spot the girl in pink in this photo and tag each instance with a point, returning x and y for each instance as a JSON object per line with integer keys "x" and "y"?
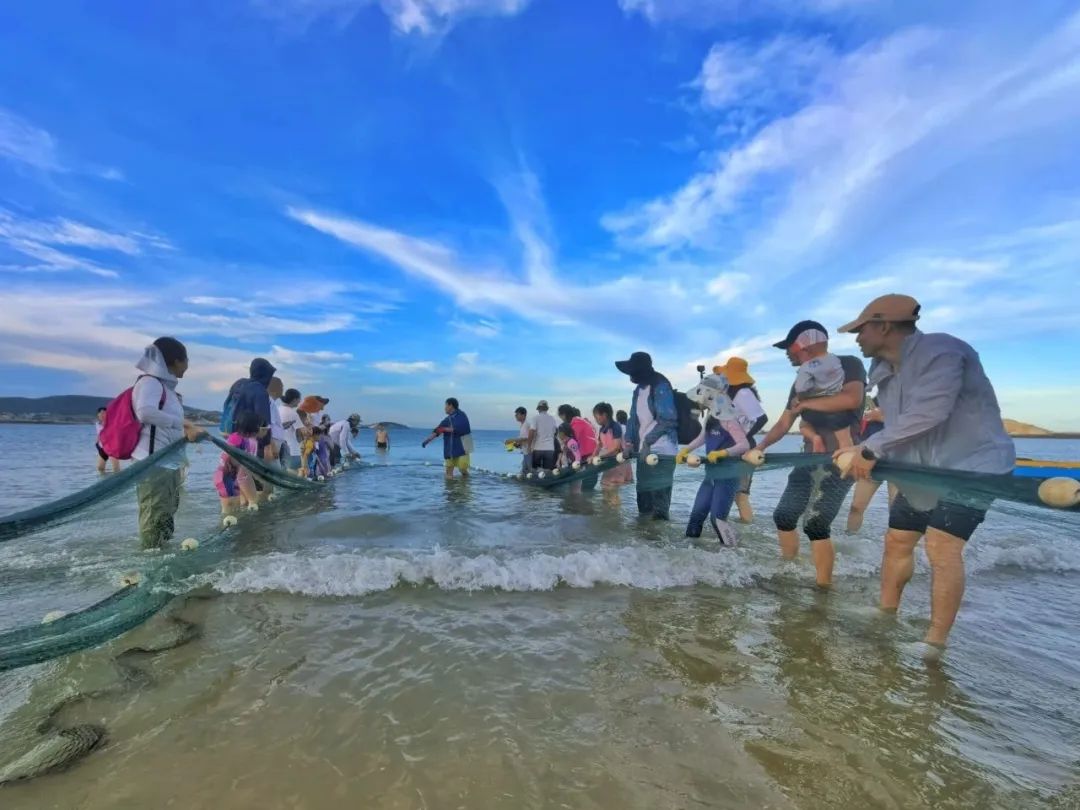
{"x": 583, "y": 430}
{"x": 234, "y": 483}
{"x": 610, "y": 444}
{"x": 571, "y": 451}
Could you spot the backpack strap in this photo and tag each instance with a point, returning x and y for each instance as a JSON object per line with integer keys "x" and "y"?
{"x": 160, "y": 407}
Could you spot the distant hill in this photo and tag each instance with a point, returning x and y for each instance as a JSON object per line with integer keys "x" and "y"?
{"x": 387, "y": 425}
{"x": 72, "y": 408}
{"x": 1014, "y": 428}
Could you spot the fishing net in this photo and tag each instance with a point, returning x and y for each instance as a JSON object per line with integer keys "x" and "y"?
{"x": 141, "y": 594}
{"x": 270, "y": 473}
{"x": 64, "y": 509}
{"x": 977, "y": 490}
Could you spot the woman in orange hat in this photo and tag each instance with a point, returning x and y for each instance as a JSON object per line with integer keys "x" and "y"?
{"x": 751, "y": 416}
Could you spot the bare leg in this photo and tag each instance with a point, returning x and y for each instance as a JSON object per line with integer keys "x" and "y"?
{"x": 897, "y": 566}
{"x": 115, "y": 465}
{"x": 864, "y": 493}
{"x": 789, "y": 544}
{"x": 100, "y": 464}
{"x": 246, "y": 484}
{"x": 746, "y": 511}
{"x": 824, "y": 555}
{"x": 946, "y": 555}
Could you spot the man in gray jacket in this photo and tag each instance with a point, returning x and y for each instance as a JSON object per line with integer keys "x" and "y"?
{"x": 940, "y": 411}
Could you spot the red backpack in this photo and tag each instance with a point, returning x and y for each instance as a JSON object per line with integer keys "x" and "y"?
{"x": 120, "y": 431}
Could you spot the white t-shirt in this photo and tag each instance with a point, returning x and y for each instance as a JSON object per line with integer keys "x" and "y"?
{"x": 277, "y": 432}
{"x": 524, "y": 434}
{"x": 545, "y": 426}
{"x": 290, "y": 421}
{"x": 646, "y": 423}
{"x": 748, "y": 409}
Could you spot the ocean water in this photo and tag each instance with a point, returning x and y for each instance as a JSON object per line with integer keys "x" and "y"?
{"x": 400, "y": 641}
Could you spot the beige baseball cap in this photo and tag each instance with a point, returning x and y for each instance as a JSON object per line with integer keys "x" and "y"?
{"x": 892, "y": 308}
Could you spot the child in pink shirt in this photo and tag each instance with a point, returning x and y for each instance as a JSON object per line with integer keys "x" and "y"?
{"x": 234, "y": 483}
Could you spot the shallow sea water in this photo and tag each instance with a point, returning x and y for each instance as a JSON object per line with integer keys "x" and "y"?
{"x": 399, "y": 641}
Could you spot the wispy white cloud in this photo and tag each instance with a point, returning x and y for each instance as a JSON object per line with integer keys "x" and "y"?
{"x": 51, "y": 260}
{"x": 257, "y": 325}
{"x": 63, "y": 231}
{"x": 765, "y": 74}
{"x": 728, "y": 287}
{"x": 398, "y": 367}
{"x": 709, "y": 12}
{"x": 330, "y": 306}
{"x": 807, "y": 176}
{"x": 319, "y": 357}
{"x": 37, "y": 239}
{"x": 22, "y": 142}
{"x": 420, "y": 17}
{"x": 536, "y": 292}
{"x": 834, "y": 146}
{"x": 25, "y": 143}
{"x": 479, "y": 328}
{"x": 98, "y": 332}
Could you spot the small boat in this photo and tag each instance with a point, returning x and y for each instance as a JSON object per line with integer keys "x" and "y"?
{"x": 1034, "y": 468}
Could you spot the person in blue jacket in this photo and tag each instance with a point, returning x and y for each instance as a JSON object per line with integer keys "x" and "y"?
{"x": 252, "y": 394}
{"x": 457, "y": 439}
{"x": 653, "y": 427}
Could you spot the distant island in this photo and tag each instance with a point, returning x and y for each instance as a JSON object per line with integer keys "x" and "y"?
{"x": 75, "y": 409}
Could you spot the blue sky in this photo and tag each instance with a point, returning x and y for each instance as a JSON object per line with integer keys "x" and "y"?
{"x": 399, "y": 200}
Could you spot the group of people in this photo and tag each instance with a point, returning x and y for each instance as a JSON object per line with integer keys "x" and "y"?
{"x": 934, "y": 406}
{"x": 259, "y": 417}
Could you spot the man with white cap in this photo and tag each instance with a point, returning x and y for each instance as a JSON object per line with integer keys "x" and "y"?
{"x": 541, "y": 442}
{"x": 805, "y": 342}
{"x": 940, "y": 411}
{"x": 341, "y": 436}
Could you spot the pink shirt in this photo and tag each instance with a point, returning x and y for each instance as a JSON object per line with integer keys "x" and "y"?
{"x": 585, "y": 436}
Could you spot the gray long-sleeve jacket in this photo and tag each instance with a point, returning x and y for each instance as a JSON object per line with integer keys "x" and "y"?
{"x": 940, "y": 409}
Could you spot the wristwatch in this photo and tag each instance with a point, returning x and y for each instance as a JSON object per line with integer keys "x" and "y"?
{"x": 869, "y": 454}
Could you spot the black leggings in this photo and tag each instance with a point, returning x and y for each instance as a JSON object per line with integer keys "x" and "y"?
{"x": 817, "y": 524}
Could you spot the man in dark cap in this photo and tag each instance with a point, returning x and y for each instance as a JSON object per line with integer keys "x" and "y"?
{"x": 653, "y": 427}
{"x": 828, "y": 415}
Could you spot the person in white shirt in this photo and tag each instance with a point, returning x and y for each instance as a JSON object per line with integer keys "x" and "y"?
{"x": 542, "y": 429}
{"x": 160, "y": 410}
{"x": 292, "y": 426}
{"x": 751, "y": 417}
{"x": 341, "y": 435}
{"x": 522, "y": 441}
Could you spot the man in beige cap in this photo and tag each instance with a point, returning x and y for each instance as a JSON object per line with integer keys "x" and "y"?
{"x": 940, "y": 411}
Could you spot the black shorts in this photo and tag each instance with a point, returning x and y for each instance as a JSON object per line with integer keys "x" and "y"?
{"x": 951, "y": 518}
{"x": 381, "y": 445}
{"x": 101, "y": 453}
{"x": 544, "y": 459}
